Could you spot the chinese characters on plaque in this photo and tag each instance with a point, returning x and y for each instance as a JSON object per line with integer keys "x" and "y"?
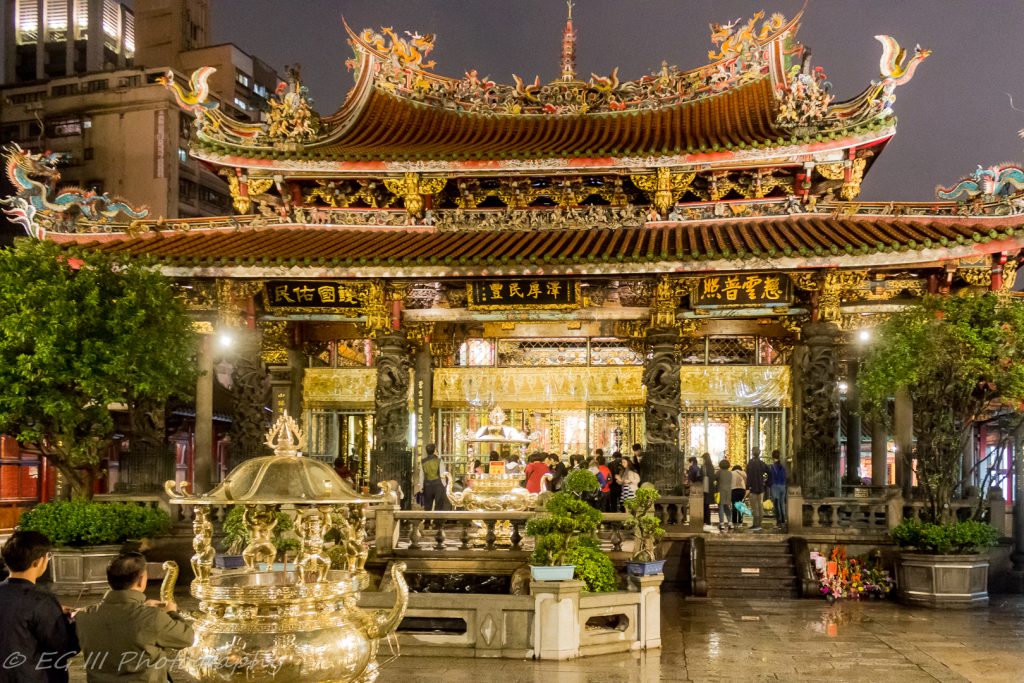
{"x": 321, "y": 295}
{"x": 542, "y": 293}
{"x": 744, "y": 289}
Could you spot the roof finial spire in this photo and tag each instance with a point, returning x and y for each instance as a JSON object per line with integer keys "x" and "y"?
{"x": 569, "y": 47}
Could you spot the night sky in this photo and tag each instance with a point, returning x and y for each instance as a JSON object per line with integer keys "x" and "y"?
{"x": 953, "y": 116}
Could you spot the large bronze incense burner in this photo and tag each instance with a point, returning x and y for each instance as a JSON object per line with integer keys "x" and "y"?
{"x": 293, "y": 622}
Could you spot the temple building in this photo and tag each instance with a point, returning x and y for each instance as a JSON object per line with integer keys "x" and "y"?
{"x": 679, "y": 260}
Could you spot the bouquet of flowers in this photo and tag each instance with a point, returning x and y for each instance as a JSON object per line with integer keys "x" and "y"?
{"x": 852, "y": 577}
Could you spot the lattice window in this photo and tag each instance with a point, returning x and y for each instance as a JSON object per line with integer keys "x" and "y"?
{"x": 542, "y": 352}
{"x": 692, "y": 351}
{"x": 613, "y": 352}
{"x": 732, "y": 351}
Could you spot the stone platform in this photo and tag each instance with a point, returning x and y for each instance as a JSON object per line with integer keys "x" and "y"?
{"x": 767, "y": 640}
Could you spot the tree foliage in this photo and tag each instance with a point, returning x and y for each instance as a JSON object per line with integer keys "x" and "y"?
{"x": 78, "y": 334}
{"x": 958, "y": 358}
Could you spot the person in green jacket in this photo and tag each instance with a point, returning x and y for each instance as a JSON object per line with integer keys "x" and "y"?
{"x": 127, "y": 637}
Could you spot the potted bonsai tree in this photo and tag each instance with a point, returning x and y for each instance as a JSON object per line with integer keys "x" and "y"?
{"x": 647, "y": 531}
{"x": 960, "y": 360}
{"x": 565, "y": 539}
{"x": 86, "y": 535}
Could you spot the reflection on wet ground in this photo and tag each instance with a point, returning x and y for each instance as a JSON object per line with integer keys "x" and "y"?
{"x": 762, "y": 640}
{"x": 791, "y": 640}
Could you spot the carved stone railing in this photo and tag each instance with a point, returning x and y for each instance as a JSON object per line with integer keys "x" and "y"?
{"x": 877, "y": 514}
{"x": 419, "y": 533}
{"x": 673, "y": 511}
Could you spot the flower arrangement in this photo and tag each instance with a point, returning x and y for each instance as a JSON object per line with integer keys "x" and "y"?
{"x": 853, "y": 577}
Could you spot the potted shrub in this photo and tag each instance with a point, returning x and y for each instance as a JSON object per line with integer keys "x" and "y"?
{"x": 959, "y": 359}
{"x": 236, "y": 537}
{"x": 86, "y": 535}
{"x": 565, "y": 539}
{"x": 944, "y": 564}
{"x": 647, "y": 531}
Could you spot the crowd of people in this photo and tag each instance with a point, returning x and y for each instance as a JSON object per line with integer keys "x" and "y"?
{"x": 737, "y": 490}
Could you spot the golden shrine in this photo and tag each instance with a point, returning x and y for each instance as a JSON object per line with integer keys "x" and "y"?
{"x": 677, "y": 260}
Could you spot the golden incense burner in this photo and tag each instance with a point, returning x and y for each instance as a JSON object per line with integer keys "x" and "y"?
{"x": 263, "y": 625}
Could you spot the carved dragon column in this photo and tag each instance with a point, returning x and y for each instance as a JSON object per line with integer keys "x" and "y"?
{"x": 663, "y": 459}
{"x": 250, "y": 388}
{"x": 816, "y": 363}
{"x": 391, "y": 457}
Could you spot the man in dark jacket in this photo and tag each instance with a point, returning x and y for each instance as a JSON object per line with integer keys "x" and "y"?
{"x": 126, "y": 638}
{"x": 37, "y": 636}
{"x": 757, "y": 476}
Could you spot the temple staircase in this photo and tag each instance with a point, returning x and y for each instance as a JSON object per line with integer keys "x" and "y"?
{"x": 747, "y": 566}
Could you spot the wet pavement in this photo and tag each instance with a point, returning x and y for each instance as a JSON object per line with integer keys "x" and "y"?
{"x": 783, "y": 640}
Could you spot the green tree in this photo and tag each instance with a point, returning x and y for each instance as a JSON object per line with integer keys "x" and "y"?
{"x": 959, "y": 358}
{"x": 78, "y": 334}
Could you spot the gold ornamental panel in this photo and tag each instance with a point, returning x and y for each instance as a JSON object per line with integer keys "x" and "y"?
{"x": 538, "y": 387}
{"x": 339, "y": 387}
{"x": 735, "y": 385}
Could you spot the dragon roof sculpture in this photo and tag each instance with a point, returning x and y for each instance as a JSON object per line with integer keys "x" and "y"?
{"x": 758, "y": 92}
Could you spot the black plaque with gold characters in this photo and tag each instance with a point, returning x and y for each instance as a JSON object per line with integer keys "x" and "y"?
{"x": 742, "y": 289}
{"x": 524, "y": 293}
{"x": 313, "y": 296}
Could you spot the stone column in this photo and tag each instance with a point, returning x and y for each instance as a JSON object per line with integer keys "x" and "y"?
{"x": 556, "y": 619}
{"x": 967, "y": 457}
{"x": 1017, "y": 556}
{"x": 853, "y": 425}
{"x": 250, "y": 387}
{"x": 202, "y": 456}
{"x": 904, "y": 427}
{"x": 817, "y": 460}
{"x": 663, "y": 464}
{"x": 649, "y": 625}
{"x": 879, "y": 452}
{"x": 391, "y": 457}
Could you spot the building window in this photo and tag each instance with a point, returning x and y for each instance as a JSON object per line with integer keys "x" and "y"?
{"x": 260, "y": 90}
{"x": 56, "y": 20}
{"x": 64, "y": 127}
{"x": 87, "y": 153}
{"x": 182, "y": 155}
{"x": 186, "y": 190}
{"x": 241, "y": 104}
{"x": 26, "y": 97}
{"x": 210, "y": 196}
{"x": 10, "y": 133}
{"x": 26, "y": 13}
{"x": 64, "y": 90}
{"x": 97, "y": 85}
{"x": 242, "y": 78}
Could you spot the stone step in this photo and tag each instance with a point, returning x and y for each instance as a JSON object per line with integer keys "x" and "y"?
{"x": 749, "y": 561}
{"x": 744, "y": 571}
{"x": 719, "y": 552}
{"x": 743, "y": 592}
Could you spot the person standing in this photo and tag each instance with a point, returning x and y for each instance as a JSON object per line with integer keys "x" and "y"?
{"x": 757, "y": 477}
{"x": 604, "y": 477}
{"x": 615, "y": 487}
{"x": 127, "y": 637}
{"x": 536, "y": 468}
{"x": 431, "y": 470}
{"x": 692, "y": 473}
{"x": 738, "y": 493}
{"x": 640, "y": 464}
{"x": 777, "y": 488}
{"x": 707, "y": 475}
{"x": 723, "y": 482}
{"x": 37, "y": 635}
{"x": 629, "y": 481}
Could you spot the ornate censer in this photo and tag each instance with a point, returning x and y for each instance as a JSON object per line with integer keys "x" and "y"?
{"x": 298, "y": 624}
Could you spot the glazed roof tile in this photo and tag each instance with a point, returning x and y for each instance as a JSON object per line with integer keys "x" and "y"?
{"x": 807, "y": 235}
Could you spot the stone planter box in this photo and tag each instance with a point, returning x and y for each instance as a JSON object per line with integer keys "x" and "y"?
{"x": 81, "y": 570}
{"x": 945, "y": 581}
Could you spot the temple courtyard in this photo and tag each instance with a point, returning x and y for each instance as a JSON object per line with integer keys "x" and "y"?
{"x": 765, "y": 640}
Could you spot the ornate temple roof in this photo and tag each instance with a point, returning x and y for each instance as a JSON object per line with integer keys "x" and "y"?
{"x": 758, "y": 95}
{"x": 802, "y": 240}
